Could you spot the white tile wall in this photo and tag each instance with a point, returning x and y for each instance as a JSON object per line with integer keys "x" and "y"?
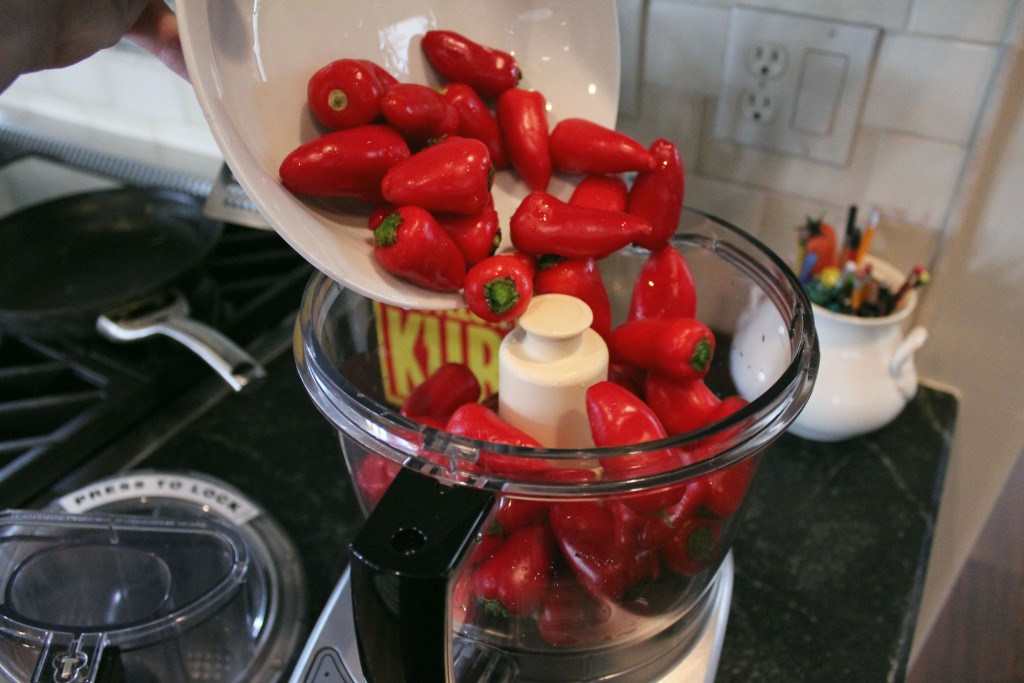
{"x": 930, "y": 87}
{"x": 889, "y": 14}
{"x": 685, "y": 46}
{"x": 978, "y": 20}
{"x": 915, "y": 178}
{"x": 919, "y": 117}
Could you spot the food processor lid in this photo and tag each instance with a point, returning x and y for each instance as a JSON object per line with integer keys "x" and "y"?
{"x": 149, "y": 560}
{"x": 133, "y": 579}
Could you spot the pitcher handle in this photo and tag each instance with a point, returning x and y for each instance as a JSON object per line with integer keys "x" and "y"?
{"x": 914, "y": 340}
{"x": 402, "y": 562}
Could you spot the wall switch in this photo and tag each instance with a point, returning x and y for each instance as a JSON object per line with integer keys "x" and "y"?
{"x": 795, "y": 84}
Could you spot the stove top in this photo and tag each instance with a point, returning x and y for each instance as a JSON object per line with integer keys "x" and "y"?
{"x": 62, "y": 402}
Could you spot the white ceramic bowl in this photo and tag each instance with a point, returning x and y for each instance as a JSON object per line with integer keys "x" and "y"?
{"x": 250, "y": 60}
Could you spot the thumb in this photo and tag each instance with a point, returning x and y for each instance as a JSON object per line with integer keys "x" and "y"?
{"x": 156, "y": 32}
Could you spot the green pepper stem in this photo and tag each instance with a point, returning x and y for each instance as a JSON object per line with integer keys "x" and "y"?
{"x": 386, "y": 233}
{"x": 501, "y": 294}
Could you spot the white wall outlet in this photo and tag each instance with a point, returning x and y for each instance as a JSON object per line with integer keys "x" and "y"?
{"x": 757, "y": 106}
{"x": 767, "y": 60}
{"x": 795, "y": 84}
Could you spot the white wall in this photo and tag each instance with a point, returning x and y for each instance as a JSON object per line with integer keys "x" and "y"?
{"x": 940, "y": 150}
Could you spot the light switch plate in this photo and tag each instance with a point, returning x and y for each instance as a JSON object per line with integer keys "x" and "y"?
{"x": 795, "y": 84}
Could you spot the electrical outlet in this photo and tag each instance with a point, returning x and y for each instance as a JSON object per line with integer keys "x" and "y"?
{"x": 793, "y": 83}
{"x": 757, "y": 106}
{"x": 767, "y": 60}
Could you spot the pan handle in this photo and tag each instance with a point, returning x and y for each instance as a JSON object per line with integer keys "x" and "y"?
{"x": 231, "y": 362}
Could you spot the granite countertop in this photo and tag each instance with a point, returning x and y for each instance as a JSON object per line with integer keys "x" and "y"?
{"x": 829, "y": 562}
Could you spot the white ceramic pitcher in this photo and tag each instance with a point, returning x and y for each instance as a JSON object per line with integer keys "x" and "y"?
{"x": 866, "y": 375}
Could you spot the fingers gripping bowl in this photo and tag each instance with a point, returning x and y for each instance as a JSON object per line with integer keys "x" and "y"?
{"x": 661, "y": 559}
{"x": 250, "y": 63}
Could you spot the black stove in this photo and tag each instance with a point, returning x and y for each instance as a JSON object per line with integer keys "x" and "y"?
{"x": 62, "y": 401}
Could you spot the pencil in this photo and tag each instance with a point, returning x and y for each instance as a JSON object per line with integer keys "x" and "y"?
{"x": 869, "y": 234}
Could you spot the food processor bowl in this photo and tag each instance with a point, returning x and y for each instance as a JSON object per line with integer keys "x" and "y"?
{"x": 624, "y": 609}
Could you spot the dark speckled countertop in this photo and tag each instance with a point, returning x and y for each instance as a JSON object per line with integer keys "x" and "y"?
{"x": 829, "y": 563}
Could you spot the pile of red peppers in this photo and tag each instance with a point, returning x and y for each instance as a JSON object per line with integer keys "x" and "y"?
{"x": 568, "y": 571}
{"x": 426, "y": 159}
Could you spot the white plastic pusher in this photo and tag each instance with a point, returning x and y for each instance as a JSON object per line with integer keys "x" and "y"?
{"x": 546, "y": 365}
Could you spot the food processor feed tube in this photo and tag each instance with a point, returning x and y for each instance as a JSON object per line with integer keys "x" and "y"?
{"x": 545, "y": 367}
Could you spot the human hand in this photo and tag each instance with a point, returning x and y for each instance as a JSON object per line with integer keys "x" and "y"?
{"x": 48, "y": 34}
{"x": 156, "y": 32}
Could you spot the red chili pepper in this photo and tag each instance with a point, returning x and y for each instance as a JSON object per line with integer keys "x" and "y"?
{"x": 660, "y": 527}
{"x": 642, "y": 564}
{"x": 657, "y": 194}
{"x": 585, "y": 533}
{"x": 678, "y": 347}
{"x": 580, "y": 146}
{"x": 514, "y": 580}
{"x": 499, "y": 288}
{"x": 476, "y": 421}
{"x": 476, "y": 120}
{"x": 523, "y": 119}
{"x": 705, "y": 448}
{"x": 442, "y": 392}
{"x": 453, "y": 175}
{"x": 619, "y": 418}
{"x": 570, "y": 616}
{"x": 579, "y": 278}
{"x": 486, "y": 544}
{"x": 629, "y": 377}
{"x": 488, "y": 70}
{"x": 373, "y": 478}
{"x": 544, "y": 224}
{"x": 382, "y": 74}
{"x": 418, "y": 112}
{"x": 693, "y": 548}
{"x": 344, "y": 93}
{"x": 605, "y": 192}
{"x": 476, "y": 235}
{"x": 664, "y": 287}
{"x": 410, "y": 244}
{"x": 726, "y": 488}
{"x": 515, "y": 513}
{"x": 379, "y": 213}
{"x": 463, "y": 605}
{"x": 344, "y": 163}
{"x": 682, "y": 406}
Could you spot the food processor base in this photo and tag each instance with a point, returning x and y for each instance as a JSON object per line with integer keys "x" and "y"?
{"x": 331, "y": 655}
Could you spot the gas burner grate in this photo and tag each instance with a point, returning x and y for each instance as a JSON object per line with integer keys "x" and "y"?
{"x": 62, "y": 402}
{"x": 41, "y": 397}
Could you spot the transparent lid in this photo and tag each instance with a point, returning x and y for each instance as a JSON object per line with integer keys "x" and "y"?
{"x": 159, "y": 575}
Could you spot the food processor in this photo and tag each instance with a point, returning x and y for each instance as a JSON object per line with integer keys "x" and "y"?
{"x": 409, "y": 607}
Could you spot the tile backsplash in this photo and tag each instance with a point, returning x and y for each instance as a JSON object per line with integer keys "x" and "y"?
{"x": 928, "y": 83}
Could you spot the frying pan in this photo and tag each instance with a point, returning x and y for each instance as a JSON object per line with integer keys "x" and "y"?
{"x": 113, "y": 261}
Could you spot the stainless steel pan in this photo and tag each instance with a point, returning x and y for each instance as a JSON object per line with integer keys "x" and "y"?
{"x": 115, "y": 261}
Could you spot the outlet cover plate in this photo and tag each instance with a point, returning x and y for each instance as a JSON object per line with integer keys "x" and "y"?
{"x": 817, "y": 97}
